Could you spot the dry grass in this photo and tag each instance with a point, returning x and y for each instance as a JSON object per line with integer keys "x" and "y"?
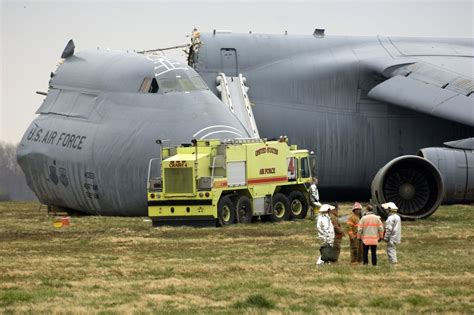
{"x": 123, "y": 265}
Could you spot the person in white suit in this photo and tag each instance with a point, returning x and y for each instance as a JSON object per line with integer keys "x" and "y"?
{"x": 393, "y": 231}
{"x": 325, "y": 229}
{"x": 314, "y": 196}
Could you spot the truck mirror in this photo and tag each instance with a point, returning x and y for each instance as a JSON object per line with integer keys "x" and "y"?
{"x": 313, "y": 165}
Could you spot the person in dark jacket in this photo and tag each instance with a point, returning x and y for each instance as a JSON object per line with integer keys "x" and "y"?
{"x": 352, "y": 227}
{"x": 338, "y": 230}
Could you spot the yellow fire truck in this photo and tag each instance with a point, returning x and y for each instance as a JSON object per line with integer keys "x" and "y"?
{"x": 211, "y": 182}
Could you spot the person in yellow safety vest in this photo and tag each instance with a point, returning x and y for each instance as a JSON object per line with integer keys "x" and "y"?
{"x": 338, "y": 230}
{"x": 325, "y": 229}
{"x": 393, "y": 231}
{"x": 370, "y": 231}
{"x": 352, "y": 227}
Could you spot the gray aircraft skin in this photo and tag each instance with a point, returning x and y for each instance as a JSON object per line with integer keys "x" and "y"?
{"x": 89, "y": 148}
{"x": 358, "y": 102}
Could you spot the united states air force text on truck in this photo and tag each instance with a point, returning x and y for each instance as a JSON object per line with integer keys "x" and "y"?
{"x": 215, "y": 182}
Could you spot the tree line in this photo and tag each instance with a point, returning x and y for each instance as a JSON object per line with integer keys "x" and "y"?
{"x": 12, "y": 180}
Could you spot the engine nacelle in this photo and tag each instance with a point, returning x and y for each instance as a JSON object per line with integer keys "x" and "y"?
{"x": 457, "y": 168}
{"x": 413, "y": 183}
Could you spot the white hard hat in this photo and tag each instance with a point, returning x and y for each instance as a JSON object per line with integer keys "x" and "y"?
{"x": 390, "y": 206}
{"x": 326, "y": 208}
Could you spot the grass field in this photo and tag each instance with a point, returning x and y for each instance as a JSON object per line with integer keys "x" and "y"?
{"x": 123, "y": 265}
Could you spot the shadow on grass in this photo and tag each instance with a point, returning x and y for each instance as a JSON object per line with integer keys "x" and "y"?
{"x": 13, "y": 296}
{"x": 384, "y": 302}
{"x": 257, "y": 300}
{"x": 9, "y": 297}
{"x": 417, "y": 300}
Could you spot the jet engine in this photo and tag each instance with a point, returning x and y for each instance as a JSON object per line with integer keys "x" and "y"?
{"x": 413, "y": 183}
{"x": 457, "y": 169}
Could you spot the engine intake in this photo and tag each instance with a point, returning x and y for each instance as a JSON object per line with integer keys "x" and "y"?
{"x": 413, "y": 183}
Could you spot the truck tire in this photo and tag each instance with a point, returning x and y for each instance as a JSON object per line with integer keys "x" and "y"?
{"x": 244, "y": 210}
{"x": 298, "y": 205}
{"x": 225, "y": 211}
{"x": 281, "y": 208}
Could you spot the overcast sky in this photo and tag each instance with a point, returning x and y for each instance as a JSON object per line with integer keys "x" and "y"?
{"x": 34, "y": 33}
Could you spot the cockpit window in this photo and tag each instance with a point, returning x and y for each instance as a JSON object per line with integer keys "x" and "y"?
{"x": 187, "y": 84}
{"x": 149, "y": 86}
{"x": 153, "y": 87}
{"x": 199, "y": 83}
{"x": 179, "y": 84}
{"x": 169, "y": 85}
{"x": 145, "y": 85}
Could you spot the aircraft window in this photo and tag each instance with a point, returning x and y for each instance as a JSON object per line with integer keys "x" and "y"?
{"x": 199, "y": 83}
{"x": 145, "y": 87}
{"x": 181, "y": 84}
{"x": 192, "y": 84}
{"x": 154, "y": 86}
{"x": 149, "y": 86}
{"x": 169, "y": 85}
{"x": 187, "y": 85}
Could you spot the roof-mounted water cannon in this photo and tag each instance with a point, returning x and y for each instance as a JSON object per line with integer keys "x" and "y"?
{"x": 319, "y": 32}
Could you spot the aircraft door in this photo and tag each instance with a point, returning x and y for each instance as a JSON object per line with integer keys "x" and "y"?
{"x": 229, "y": 61}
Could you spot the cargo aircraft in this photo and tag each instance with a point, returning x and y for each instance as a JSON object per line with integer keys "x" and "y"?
{"x": 388, "y": 117}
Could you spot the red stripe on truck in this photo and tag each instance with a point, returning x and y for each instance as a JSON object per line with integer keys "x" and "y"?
{"x": 267, "y": 180}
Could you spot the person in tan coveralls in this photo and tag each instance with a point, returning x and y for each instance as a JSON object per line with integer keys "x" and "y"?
{"x": 338, "y": 230}
{"x": 352, "y": 226}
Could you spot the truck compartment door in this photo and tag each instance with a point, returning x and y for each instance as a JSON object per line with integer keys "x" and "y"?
{"x": 236, "y": 173}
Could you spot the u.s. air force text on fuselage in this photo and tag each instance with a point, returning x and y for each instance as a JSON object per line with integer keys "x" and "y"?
{"x": 55, "y": 137}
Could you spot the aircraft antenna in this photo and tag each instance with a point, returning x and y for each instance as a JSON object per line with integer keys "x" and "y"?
{"x": 68, "y": 50}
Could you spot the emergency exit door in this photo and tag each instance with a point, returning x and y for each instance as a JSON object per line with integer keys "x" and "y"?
{"x": 229, "y": 61}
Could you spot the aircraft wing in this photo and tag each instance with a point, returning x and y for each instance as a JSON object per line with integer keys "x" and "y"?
{"x": 428, "y": 88}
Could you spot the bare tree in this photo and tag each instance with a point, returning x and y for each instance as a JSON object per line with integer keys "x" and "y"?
{"x": 12, "y": 180}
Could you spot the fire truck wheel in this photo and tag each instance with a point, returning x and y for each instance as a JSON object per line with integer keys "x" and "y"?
{"x": 225, "y": 211}
{"x": 281, "y": 208}
{"x": 244, "y": 210}
{"x": 298, "y": 205}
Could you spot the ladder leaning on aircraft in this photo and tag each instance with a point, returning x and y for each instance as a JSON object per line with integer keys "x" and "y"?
{"x": 233, "y": 92}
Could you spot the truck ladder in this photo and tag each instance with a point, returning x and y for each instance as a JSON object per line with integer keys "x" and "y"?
{"x": 233, "y": 93}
